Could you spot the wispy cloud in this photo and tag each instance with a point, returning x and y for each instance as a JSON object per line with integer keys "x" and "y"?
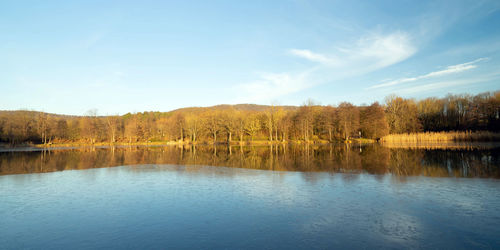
{"x": 383, "y": 50}
{"x": 449, "y": 70}
{"x": 367, "y": 54}
{"x": 375, "y": 51}
{"x": 314, "y": 57}
{"x": 448, "y": 84}
{"x": 437, "y": 85}
{"x": 273, "y": 85}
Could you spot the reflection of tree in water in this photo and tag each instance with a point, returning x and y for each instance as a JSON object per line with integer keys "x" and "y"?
{"x": 341, "y": 158}
{"x": 473, "y": 162}
{"x": 375, "y": 160}
{"x": 405, "y": 162}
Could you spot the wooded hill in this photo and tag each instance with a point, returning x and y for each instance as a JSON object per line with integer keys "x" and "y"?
{"x": 249, "y": 122}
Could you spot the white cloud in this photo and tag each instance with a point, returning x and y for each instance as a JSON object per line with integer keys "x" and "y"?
{"x": 367, "y": 54}
{"x": 448, "y": 84}
{"x": 449, "y": 70}
{"x": 315, "y": 57}
{"x": 385, "y": 50}
{"x": 375, "y": 52}
{"x": 273, "y": 85}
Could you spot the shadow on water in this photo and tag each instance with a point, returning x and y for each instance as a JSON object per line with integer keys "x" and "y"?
{"x": 466, "y": 161}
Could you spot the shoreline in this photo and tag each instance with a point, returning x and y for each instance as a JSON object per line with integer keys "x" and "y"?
{"x": 21, "y": 147}
{"x": 390, "y": 145}
{"x": 393, "y": 140}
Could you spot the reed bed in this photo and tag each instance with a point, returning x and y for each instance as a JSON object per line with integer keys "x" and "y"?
{"x": 440, "y": 137}
{"x": 442, "y": 145}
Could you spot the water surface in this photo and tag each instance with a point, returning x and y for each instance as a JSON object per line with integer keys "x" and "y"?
{"x": 250, "y": 197}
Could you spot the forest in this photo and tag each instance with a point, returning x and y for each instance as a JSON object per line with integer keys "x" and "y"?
{"x": 253, "y": 123}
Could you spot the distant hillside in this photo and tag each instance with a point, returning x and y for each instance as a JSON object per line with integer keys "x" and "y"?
{"x": 237, "y": 107}
{"x": 220, "y": 107}
{"x": 32, "y": 112}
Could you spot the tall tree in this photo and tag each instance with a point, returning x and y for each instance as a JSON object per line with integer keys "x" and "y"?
{"x": 284, "y": 125}
{"x": 304, "y": 119}
{"x": 372, "y": 122}
{"x": 112, "y": 125}
{"x": 90, "y": 126}
{"x": 213, "y": 123}
{"x": 252, "y": 125}
{"x": 269, "y": 121}
{"x": 240, "y": 125}
{"x": 348, "y": 116}
{"x": 431, "y": 114}
{"x": 402, "y": 115}
{"x": 132, "y": 129}
{"x": 229, "y": 123}
{"x": 194, "y": 126}
{"x": 179, "y": 122}
{"x": 43, "y": 126}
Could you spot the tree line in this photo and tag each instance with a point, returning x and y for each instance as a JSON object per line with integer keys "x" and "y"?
{"x": 243, "y": 123}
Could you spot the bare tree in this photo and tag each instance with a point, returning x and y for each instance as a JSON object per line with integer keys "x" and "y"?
{"x": 43, "y": 126}
{"x": 213, "y": 123}
{"x": 194, "y": 126}
{"x": 180, "y": 122}
{"x": 348, "y": 116}
{"x": 131, "y": 128}
{"x": 402, "y": 115}
{"x": 373, "y": 123}
{"x": 112, "y": 125}
{"x": 90, "y": 125}
{"x": 252, "y": 126}
{"x": 229, "y": 123}
{"x": 269, "y": 121}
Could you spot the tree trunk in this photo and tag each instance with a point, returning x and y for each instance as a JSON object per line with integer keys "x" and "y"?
{"x": 345, "y": 131}
{"x": 270, "y": 133}
{"x": 303, "y": 132}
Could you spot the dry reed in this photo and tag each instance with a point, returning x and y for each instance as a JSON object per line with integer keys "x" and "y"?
{"x": 438, "y": 137}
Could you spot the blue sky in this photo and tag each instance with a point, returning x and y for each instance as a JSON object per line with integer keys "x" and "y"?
{"x": 132, "y": 56}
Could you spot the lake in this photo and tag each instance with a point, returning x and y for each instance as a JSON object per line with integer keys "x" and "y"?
{"x": 271, "y": 197}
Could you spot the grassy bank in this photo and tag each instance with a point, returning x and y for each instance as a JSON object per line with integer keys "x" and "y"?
{"x": 441, "y": 137}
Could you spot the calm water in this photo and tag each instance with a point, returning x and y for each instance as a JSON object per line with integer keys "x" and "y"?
{"x": 251, "y": 197}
